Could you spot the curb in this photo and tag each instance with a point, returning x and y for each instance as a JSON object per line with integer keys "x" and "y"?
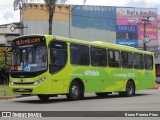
{"x": 9, "y": 97}
{"x": 12, "y": 97}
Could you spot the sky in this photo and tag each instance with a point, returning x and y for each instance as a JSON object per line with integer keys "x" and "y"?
{"x": 9, "y": 15}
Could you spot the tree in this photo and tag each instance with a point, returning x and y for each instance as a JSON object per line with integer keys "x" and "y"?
{"x": 50, "y": 5}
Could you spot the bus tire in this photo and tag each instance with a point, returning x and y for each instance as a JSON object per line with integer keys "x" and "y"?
{"x": 74, "y": 91}
{"x": 43, "y": 97}
{"x": 130, "y": 90}
{"x": 102, "y": 94}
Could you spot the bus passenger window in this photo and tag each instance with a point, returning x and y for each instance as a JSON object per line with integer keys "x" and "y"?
{"x": 138, "y": 61}
{"x": 126, "y": 59}
{"x": 98, "y": 56}
{"x": 113, "y": 58}
{"x": 58, "y": 55}
{"x": 79, "y": 54}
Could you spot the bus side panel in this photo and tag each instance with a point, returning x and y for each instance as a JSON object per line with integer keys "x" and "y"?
{"x": 147, "y": 80}
{"x": 78, "y": 72}
{"x": 60, "y": 81}
{"x": 99, "y": 79}
{"x": 117, "y": 79}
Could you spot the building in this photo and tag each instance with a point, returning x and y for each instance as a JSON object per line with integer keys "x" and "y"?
{"x": 8, "y": 32}
{"x": 121, "y": 25}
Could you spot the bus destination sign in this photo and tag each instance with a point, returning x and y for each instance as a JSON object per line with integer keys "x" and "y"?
{"x": 28, "y": 41}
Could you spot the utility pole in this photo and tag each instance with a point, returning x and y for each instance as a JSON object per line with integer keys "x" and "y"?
{"x": 18, "y": 5}
{"x": 144, "y": 36}
{"x": 145, "y": 21}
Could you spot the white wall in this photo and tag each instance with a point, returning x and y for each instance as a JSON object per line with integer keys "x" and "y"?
{"x": 8, "y": 32}
{"x": 3, "y": 39}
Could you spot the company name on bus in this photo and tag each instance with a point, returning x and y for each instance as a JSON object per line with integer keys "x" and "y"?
{"x": 124, "y": 75}
{"x": 91, "y": 73}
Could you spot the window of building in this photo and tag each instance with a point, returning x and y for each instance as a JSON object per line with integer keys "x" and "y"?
{"x": 126, "y": 58}
{"x": 98, "y": 56}
{"x": 79, "y": 54}
{"x": 113, "y": 58}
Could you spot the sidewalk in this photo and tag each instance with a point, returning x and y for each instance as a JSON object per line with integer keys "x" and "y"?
{"x": 12, "y": 97}
{"x": 5, "y": 93}
{"x": 9, "y": 97}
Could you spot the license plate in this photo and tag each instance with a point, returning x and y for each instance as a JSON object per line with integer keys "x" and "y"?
{"x": 22, "y": 89}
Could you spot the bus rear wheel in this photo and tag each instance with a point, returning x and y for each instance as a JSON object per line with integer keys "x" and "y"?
{"x": 130, "y": 90}
{"x": 74, "y": 91}
{"x": 43, "y": 97}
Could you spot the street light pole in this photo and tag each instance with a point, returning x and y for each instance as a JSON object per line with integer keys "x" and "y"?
{"x": 145, "y": 22}
{"x": 144, "y": 37}
{"x": 18, "y": 4}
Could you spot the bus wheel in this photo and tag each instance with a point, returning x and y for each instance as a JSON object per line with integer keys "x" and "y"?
{"x": 74, "y": 91}
{"x": 130, "y": 90}
{"x": 102, "y": 95}
{"x": 43, "y": 97}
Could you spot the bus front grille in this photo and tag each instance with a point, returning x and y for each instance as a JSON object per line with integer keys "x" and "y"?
{"x": 22, "y": 90}
{"x": 21, "y": 83}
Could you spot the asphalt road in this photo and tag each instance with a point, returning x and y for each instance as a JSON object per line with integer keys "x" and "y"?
{"x": 145, "y": 100}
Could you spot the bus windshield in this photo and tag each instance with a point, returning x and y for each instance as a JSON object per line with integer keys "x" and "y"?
{"x": 29, "y": 58}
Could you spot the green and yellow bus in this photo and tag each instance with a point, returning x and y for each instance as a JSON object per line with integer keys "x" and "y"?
{"x": 48, "y": 66}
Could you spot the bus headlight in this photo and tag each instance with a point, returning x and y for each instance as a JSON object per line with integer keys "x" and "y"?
{"x": 11, "y": 83}
{"x": 40, "y": 81}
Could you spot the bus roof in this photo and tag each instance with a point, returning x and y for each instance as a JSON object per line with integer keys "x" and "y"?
{"x": 93, "y": 43}
{"x": 103, "y": 44}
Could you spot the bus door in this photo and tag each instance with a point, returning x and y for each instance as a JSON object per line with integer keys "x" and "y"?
{"x": 58, "y": 60}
